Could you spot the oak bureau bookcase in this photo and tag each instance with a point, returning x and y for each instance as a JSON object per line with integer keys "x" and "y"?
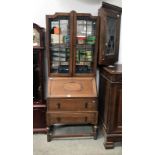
{"x": 71, "y": 45}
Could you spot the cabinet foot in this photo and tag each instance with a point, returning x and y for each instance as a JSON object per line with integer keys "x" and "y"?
{"x": 109, "y": 145}
{"x": 95, "y": 131}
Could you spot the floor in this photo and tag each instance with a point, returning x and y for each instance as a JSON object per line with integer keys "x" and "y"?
{"x": 72, "y": 146}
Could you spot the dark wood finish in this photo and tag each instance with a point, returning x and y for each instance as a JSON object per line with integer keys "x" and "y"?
{"x": 39, "y": 102}
{"x": 110, "y": 104}
{"x": 113, "y": 12}
{"x": 39, "y": 120}
{"x": 110, "y": 6}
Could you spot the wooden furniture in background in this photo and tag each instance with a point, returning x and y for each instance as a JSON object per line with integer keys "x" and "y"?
{"x": 110, "y": 17}
{"x": 110, "y": 104}
{"x": 39, "y": 104}
{"x": 72, "y": 45}
{"x": 110, "y": 85}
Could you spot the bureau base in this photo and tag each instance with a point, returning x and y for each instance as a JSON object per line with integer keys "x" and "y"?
{"x": 52, "y": 135}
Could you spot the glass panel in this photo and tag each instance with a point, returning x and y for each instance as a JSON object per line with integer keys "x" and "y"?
{"x": 84, "y": 60}
{"x": 91, "y": 32}
{"x": 85, "y": 48}
{"x": 111, "y": 36}
{"x": 36, "y": 77}
{"x": 60, "y": 58}
{"x": 36, "y": 38}
{"x": 60, "y": 49}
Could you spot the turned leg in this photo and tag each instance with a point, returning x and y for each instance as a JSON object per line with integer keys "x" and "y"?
{"x": 95, "y": 131}
{"x": 49, "y": 134}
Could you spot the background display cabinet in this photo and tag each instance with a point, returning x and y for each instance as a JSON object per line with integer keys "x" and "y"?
{"x": 110, "y": 17}
{"x": 39, "y": 104}
{"x": 72, "y": 44}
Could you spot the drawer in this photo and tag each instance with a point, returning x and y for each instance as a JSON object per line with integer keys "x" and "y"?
{"x": 71, "y": 118}
{"x": 72, "y": 104}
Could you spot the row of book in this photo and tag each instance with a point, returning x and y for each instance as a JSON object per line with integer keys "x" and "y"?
{"x": 82, "y": 55}
{"x": 79, "y": 69}
{"x": 64, "y": 55}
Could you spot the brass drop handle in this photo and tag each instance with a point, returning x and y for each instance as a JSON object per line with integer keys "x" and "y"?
{"x": 58, "y": 105}
{"x": 86, "y": 119}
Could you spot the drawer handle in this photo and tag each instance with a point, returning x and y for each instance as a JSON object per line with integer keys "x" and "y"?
{"x": 58, "y": 119}
{"x": 86, "y": 105}
{"x": 86, "y": 119}
{"x": 58, "y": 105}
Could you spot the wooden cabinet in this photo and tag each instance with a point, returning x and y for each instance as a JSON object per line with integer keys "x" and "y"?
{"x": 72, "y": 45}
{"x": 110, "y": 104}
{"x": 39, "y": 104}
{"x": 110, "y": 83}
{"x": 110, "y": 17}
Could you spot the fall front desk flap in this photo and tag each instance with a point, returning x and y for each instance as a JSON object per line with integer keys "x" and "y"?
{"x": 72, "y": 87}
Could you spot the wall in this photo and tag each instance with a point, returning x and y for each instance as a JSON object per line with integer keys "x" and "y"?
{"x": 45, "y": 7}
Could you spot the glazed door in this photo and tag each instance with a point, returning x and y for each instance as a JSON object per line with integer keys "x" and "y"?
{"x": 109, "y": 36}
{"x": 85, "y": 40}
{"x": 59, "y": 44}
